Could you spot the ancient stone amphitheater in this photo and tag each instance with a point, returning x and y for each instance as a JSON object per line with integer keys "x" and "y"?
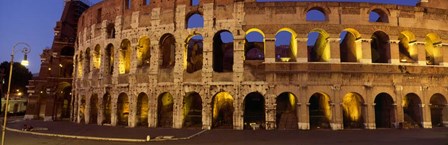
{"x": 244, "y": 64}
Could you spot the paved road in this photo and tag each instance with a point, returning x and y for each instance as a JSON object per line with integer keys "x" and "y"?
{"x": 231, "y": 137}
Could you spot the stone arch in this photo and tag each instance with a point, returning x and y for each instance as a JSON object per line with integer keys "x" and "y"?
{"x": 93, "y": 109}
{"x": 123, "y": 109}
{"x": 353, "y": 110}
{"x": 223, "y": 51}
{"x": 350, "y": 46}
{"x": 143, "y": 52}
{"x": 109, "y": 60}
{"x": 194, "y": 19}
{"x": 254, "y": 49}
{"x": 195, "y": 2}
{"x": 321, "y": 12}
{"x": 222, "y": 110}
{"x": 286, "y": 111}
{"x": 379, "y": 15}
{"x": 433, "y": 49}
{"x": 67, "y": 51}
{"x": 384, "y": 111}
{"x": 254, "y": 111}
{"x": 61, "y": 104}
{"x": 439, "y": 110}
{"x": 142, "y": 109}
{"x": 124, "y": 65}
{"x": 110, "y": 29}
{"x": 97, "y": 57}
{"x": 288, "y": 52}
{"x": 107, "y": 109}
{"x": 318, "y": 46}
{"x": 194, "y": 53}
{"x": 192, "y": 110}
{"x": 167, "y": 51}
{"x": 407, "y": 48}
{"x": 380, "y": 47}
{"x": 412, "y": 111}
{"x": 165, "y": 106}
{"x": 87, "y": 60}
{"x": 320, "y": 113}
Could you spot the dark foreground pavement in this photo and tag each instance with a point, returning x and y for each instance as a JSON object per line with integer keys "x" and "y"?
{"x": 436, "y": 136}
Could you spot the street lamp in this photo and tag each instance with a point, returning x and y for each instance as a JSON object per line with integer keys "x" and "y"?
{"x": 25, "y": 50}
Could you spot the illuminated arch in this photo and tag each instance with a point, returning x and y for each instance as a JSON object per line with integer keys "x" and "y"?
{"x": 433, "y": 49}
{"x": 412, "y": 110}
{"x": 97, "y": 57}
{"x": 167, "y": 45}
{"x": 380, "y": 47}
{"x": 109, "y": 60}
{"x": 165, "y": 104}
{"x": 192, "y": 110}
{"x": 87, "y": 60}
{"x": 122, "y": 109}
{"x": 222, "y": 110}
{"x": 142, "y": 109}
{"x": 407, "y": 48}
{"x": 286, "y": 110}
{"x": 318, "y": 51}
{"x": 143, "y": 52}
{"x": 439, "y": 110}
{"x": 350, "y": 46}
{"x": 193, "y": 53}
{"x": 124, "y": 65}
{"x": 254, "y": 50}
{"x": 287, "y": 54}
{"x": 353, "y": 108}
{"x": 320, "y": 111}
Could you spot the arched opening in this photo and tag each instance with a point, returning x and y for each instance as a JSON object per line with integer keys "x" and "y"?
{"x": 285, "y": 45}
{"x": 66, "y": 102}
{"x": 63, "y": 96}
{"x": 194, "y": 53}
{"x": 254, "y": 114}
{"x": 165, "y": 110}
{"x": 318, "y": 46}
{"x": 192, "y": 111}
{"x": 320, "y": 111}
{"x": 286, "y": 116}
{"x": 380, "y": 47}
{"x": 97, "y": 57}
{"x": 109, "y": 60}
{"x": 407, "y": 48}
{"x": 142, "y": 110}
{"x": 378, "y": 15}
{"x": 87, "y": 61}
{"x": 412, "y": 111}
{"x": 82, "y": 109}
{"x": 254, "y": 46}
{"x": 122, "y": 109}
{"x": 222, "y": 110}
{"x": 143, "y": 52}
{"x": 433, "y": 49}
{"x": 93, "y": 109}
{"x": 124, "y": 64}
{"x": 384, "y": 111}
{"x": 350, "y": 46}
{"x": 353, "y": 116}
{"x": 110, "y": 30}
{"x": 67, "y": 51}
{"x": 167, "y": 51}
{"x": 439, "y": 111}
{"x": 223, "y": 51}
{"x": 195, "y": 20}
{"x": 316, "y": 14}
{"x": 107, "y": 109}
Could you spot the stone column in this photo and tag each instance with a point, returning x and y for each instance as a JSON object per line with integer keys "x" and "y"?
{"x": 270, "y": 111}
{"x": 302, "y": 54}
{"x": 304, "y": 118}
{"x": 177, "y": 109}
{"x": 399, "y": 117}
{"x": 269, "y": 57}
{"x": 366, "y": 51}
{"x": 421, "y": 52}
{"x": 113, "y": 112}
{"x": 444, "y": 53}
{"x": 335, "y": 53}
{"x": 133, "y": 101}
{"x": 87, "y": 110}
{"x": 426, "y": 110}
{"x": 394, "y": 52}
{"x": 370, "y": 109}
{"x": 152, "y": 113}
{"x": 238, "y": 59}
{"x": 100, "y": 110}
{"x": 337, "y": 118}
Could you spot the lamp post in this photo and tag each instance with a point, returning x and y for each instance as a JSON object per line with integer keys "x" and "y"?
{"x": 25, "y": 50}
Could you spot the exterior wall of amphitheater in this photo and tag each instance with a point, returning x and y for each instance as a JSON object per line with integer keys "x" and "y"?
{"x": 124, "y": 29}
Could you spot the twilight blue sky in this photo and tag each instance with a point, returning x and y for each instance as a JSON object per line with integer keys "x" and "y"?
{"x": 32, "y": 21}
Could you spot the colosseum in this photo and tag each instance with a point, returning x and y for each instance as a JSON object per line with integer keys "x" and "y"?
{"x": 243, "y": 64}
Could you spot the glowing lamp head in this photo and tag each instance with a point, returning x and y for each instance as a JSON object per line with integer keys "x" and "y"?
{"x": 25, "y": 60}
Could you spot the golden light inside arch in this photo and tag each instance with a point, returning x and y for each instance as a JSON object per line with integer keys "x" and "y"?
{"x": 97, "y": 57}
{"x": 351, "y": 103}
{"x": 220, "y": 101}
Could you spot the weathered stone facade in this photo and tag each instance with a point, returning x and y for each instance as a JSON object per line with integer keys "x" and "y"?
{"x": 134, "y": 65}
